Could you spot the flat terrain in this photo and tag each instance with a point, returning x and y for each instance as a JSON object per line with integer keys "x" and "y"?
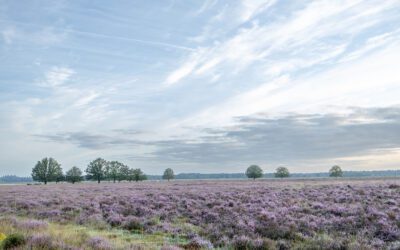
{"x": 240, "y": 214}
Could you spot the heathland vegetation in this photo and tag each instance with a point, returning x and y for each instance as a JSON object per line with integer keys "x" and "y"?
{"x": 318, "y": 213}
{"x": 333, "y": 213}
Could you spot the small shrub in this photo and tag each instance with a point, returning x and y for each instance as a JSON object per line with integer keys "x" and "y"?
{"x": 2, "y": 237}
{"x": 198, "y": 243}
{"x": 99, "y": 243}
{"x": 263, "y": 244}
{"x": 132, "y": 223}
{"x": 13, "y": 241}
{"x": 283, "y": 245}
{"x": 42, "y": 242}
{"x": 241, "y": 243}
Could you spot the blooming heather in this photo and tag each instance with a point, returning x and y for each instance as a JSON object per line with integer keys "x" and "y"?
{"x": 221, "y": 213}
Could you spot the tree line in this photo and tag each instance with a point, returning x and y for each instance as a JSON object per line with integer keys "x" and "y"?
{"x": 49, "y": 170}
{"x": 254, "y": 171}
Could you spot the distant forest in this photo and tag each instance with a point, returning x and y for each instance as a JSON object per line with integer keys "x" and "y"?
{"x": 198, "y": 176}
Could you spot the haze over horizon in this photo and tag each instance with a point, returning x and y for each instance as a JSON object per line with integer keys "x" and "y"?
{"x": 200, "y": 86}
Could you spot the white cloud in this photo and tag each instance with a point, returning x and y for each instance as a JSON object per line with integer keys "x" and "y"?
{"x": 367, "y": 82}
{"x": 57, "y": 76}
{"x": 249, "y": 8}
{"x": 185, "y": 69}
{"x": 304, "y": 39}
{"x": 85, "y": 100}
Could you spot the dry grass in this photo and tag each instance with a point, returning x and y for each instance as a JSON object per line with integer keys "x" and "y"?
{"x": 75, "y": 236}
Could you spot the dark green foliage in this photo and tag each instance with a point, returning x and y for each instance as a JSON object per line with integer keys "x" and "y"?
{"x": 124, "y": 172}
{"x": 96, "y": 169}
{"x": 254, "y": 172}
{"x": 282, "y": 172}
{"x": 132, "y": 223}
{"x": 13, "y": 241}
{"x": 335, "y": 171}
{"x": 112, "y": 171}
{"x": 47, "y": 170}
{"x": 137, "y": 175}
{"x": 74, "y": 175}
{"x": 168, "y": 174}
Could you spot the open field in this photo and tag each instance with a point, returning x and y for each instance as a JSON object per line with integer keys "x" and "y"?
{"x": 264, "y": 214}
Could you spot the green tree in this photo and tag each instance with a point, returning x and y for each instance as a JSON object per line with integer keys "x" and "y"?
{"x": 74, "y": 175}
{"x": 46, "y": 170}
{"x": 124, "y": 173}
{"x": 96, "y": 169}
{"x": 168, "y": 174}
{"x": 59, "y": 175}
{"x": 282, "y": 172}
{"x": 138, "y": 175}
{"x": 254, "y": 172}
{"x": 112, "y": 170}
{"x": 335, "y": 171}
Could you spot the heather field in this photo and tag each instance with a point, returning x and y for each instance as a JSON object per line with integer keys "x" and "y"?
{"x": 242, "y": 214}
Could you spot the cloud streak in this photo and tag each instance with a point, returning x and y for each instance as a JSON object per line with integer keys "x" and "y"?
{"x": 203, "y": 86}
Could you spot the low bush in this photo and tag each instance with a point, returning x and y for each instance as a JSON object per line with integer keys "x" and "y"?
{"x": 99, "y": 243}
{"x": 2, "y": 237}
{"x": 42, "y": 242}
{"x": 13, "y": 241}
{"x": 132, "y": 223}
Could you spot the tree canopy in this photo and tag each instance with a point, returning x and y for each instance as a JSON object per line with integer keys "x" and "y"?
{"x": 74, "y": 175}
{"x": 48, "y": 169}
{"x": 124, "y": 172}
{"x": 137, "y": 175}
{"x": 112, "y": 170}
{"x": 282, "y": 172}
{"x": 335, "y": 171}
{"x": 96, "y": 169}
{"x": 254, "y": 172}
{"x": 168, "y": 174}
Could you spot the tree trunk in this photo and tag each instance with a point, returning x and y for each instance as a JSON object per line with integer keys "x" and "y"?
{"x": 98, "y": 180}
{"x": 45, "y": 182}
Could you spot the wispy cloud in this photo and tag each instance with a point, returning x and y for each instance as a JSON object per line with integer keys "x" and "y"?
{"x": 57, "y": 76}
{"x": 305, "y": 38}
{"x": 80, "y": 82}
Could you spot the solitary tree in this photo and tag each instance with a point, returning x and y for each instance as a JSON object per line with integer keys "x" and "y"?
{"x": 74, "y": 175}
{"x": 46, "y": 170}
{"x": 335, "y": 171}
{"x": 282, "y": 172}
{"x": 124, "y": 173}
{"x": 254, "y": 172}
{"x": 168, "y": 174}
{"x": 113, "y": 170}
{"x": 138, "y": 175}
{"x": 96, "y": 169}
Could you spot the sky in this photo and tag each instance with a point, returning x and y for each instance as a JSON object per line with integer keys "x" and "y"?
{"x": 200, "y": 86}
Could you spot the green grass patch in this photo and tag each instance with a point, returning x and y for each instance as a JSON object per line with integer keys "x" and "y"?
{"x": 78, "y": 236}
